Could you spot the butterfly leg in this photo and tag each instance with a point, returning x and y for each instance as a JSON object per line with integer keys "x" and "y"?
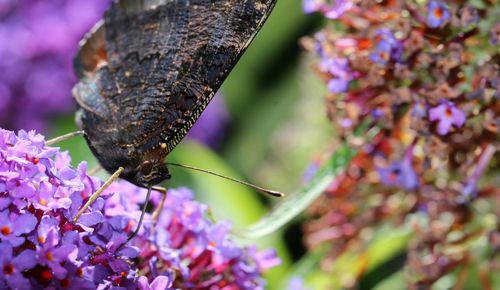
{"x": 96, "y": 194}
{"x": 63, "y": 137}
{"x": 159, "y": 208}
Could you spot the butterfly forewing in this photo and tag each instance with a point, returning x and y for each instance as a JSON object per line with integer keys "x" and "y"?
{"x": 156, "y": 69}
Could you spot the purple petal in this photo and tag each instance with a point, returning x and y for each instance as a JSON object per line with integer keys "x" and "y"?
{"x": 161, "y": 283}
{"x": 24, "y": 224}
{"x": 444, "y": 126}
{"x": 90, "y": 219}
{"x": 437, "y": 113}
{"x": 267, "y": 259}
{"x": 25, "y": 260}
{"x": 24, "y": 190}
{"x": 4, "y": 202}
{"x": 9, "y": 175}
{"x": 143, "y": 283}
{"x": 17, "y": 281}
{"x": 337, "y": 85}
{"x": 458, "y": 117}
{"x": 6, "y": 251}
{"x": 129, "y": 252}
{"x": 46, "y": 224}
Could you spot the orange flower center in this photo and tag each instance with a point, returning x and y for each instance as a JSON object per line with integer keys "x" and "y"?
{"x": 41, "y": 240}
{"x": 438, "y": 12}
{"x": 6, "y": 231}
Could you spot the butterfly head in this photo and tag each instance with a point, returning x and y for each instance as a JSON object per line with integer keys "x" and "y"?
{"x": 150, "y": 172}
{"x": 142, "y": 167}
{"x": 148, "y": 168}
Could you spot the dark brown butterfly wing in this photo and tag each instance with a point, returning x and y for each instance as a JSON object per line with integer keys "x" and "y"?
{"x": 150, "y": 69}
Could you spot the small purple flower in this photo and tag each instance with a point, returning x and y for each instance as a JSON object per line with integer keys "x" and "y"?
{"x": 340, "y": 72}
{"x": 52, "y": 254}
{"x": 12, "y": 267}
{"x": 419, "y": 109}
{"x": 437, "y": 13}
{"x": 400, "y": 173}
{"x": 12, "y": 226}
{"x": 447, "y": 115}
{"x": 387, "y": 47}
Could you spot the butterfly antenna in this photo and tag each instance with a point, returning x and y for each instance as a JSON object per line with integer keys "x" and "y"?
{"x": 136, "y": 231}
{"x": 258, "y": 188}
{"x": 98, "y": 193}
{"x": 63, "y": 138}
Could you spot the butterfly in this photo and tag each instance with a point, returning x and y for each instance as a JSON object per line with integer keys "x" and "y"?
{"x": 145, "y": 74}
{"x": 148, "y": 70}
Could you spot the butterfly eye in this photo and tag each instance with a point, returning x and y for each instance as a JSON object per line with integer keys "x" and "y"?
{"x": 146, "y": 167}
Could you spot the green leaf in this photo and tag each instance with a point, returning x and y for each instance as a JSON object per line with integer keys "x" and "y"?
{"x": 293, "y": 205}
{"x": 296, "y": 203}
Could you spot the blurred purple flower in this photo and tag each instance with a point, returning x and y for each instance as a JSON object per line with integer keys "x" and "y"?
{"x": 400, "y": 173}
{"x": 93, "y": 253}
{"x": 495, "y": 34}
{"x": 339, "y": 69}
{"x": 311, "y": 6}
{"x": 337, "y": 9}
{"x": 210, "y": 127}
{"x": 38, "y": 40}
{"x": 437, "y": 13}
{"x": 296, "y": 283}
{"x": 330, "y": 10}
{"x": 387, "y": 47}
{"x": 447, "y": 115}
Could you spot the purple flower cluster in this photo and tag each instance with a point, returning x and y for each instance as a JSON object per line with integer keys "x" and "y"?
{"x": 42, "y": 247}
{"x": 427, "y": 75}
{"x": 181, "y": 241}
{"x": 38, "y": 40}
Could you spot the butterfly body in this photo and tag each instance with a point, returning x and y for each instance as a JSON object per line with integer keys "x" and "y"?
{"x": 148, "y": 71}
